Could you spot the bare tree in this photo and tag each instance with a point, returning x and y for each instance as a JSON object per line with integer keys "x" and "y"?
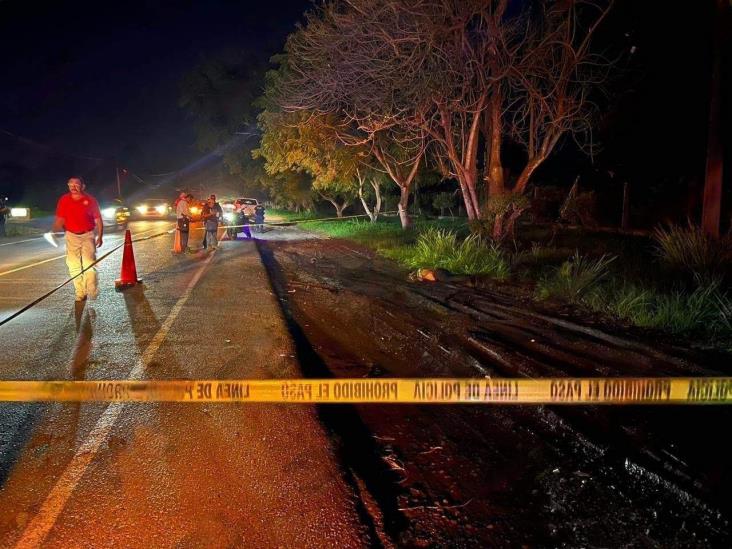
{"x": 407, "y": 75}
{"x": 340, "y": 201}
{"x": 555, "y": 83}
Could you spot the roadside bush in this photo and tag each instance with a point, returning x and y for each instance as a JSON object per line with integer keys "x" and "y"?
{"x": 500, "y": 216}
{"x": 575, "y": 278}
{"x": 580, "y": 209}
{"x": 704, "y": 309}
{"x": 440, "y": 248}
{"x": 691, "y": 250}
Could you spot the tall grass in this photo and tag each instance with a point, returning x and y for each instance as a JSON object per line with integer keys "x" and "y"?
{"x": 575, "y": 278}
{"x": 692, "y": 250}
{"x": 704, "y": 310}
{"x": 441, "y": 248}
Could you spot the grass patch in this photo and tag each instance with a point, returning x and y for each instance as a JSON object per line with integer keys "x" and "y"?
{"x": 287, "y": 215}
{"x": 704, "y": 310}
{"x": 441, "y": 248}
{"x": 386, "y": 235}
{"x": 691, "y": 250}
{"x": 575, "y": 278}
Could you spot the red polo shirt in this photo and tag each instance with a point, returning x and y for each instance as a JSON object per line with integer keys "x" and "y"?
{"x": 78, "y": 215}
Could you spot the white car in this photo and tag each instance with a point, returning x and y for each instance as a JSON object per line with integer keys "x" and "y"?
{"x": 246, "y": 205}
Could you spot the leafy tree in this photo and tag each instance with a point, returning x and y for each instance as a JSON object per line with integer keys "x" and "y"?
{"x": 444, "y": 201}
{"x": 220, "y": 94}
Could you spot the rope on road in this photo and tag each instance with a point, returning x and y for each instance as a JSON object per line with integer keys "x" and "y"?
{"x": 64, "y": 283}
{"x": 565, "y": 391}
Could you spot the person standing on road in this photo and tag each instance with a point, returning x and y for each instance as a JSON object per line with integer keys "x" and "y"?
{"x": 213, "y": 208}
{"x": 183, "y": 215}
{"x": 259, "y": 218}
{"x": 4, "y": 211}
{"x": 78, "y": 214}
{"x": 211, "y": 222}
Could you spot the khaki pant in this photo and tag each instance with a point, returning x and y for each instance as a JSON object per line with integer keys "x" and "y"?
{"x": 81, "y": 251}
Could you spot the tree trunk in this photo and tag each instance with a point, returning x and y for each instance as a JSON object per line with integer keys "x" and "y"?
{"x": 377, "y": 191}
{"x": 711, "y": 207}
{"x": 471, "y": 209}
{"x": 495, "y": 180}
{"x": 338, "y": 207}
{"x": 625, "y": 219}
{"x": 363, "y": 200}
{"x": 526, "y": 173}
{"x": 403, "y": 203}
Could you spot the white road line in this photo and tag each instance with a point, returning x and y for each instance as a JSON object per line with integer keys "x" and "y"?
{"x": 19, "y": 241}
{"x": 31, "y": 265}
{"x": 38, "y": 528}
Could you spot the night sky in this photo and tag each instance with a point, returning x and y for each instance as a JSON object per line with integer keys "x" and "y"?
{"x": 99, "y": 80}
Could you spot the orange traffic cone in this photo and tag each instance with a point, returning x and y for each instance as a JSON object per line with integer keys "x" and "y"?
{"x": 177, "y": 244}
{"x": 128, "y": 277}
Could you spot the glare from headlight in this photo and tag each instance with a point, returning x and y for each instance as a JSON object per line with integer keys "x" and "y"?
{"x": 142, "y": 208}
{"x": 195, "y": 209}
{"x": 161, "y": 209}
{"x": 229, "y": 216}
{"x": 109, "y": 213}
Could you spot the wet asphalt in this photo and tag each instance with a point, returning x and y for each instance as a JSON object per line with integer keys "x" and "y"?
{"x": 160, "y": 474}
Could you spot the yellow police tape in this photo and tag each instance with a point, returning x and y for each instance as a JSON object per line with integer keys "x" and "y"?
{"x": 658, "y": 390}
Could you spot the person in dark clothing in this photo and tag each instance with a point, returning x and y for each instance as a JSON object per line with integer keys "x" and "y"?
{"x": 214, "y": 210}
{"x": 259, "y": 218}
{"x": 4, "y": 212}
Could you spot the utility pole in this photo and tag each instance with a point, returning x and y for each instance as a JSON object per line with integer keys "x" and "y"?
{"x": 119, "y": 187}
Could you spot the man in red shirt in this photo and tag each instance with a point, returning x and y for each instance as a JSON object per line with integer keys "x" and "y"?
{"x": 78, "y": 214}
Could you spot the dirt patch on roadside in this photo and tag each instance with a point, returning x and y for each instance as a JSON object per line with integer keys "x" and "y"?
{"x": 503, "y": 476}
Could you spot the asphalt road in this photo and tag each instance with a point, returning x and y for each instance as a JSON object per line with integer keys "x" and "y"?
{"x": 160, "y": 475}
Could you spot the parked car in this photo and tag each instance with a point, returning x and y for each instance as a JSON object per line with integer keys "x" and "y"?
{"x": 154, "y": 208}
{"x": 115, "y": 214}
{"x": 247, "y": 205}
{"x": 227, "y": 206}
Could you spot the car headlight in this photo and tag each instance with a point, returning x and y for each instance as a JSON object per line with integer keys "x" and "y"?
{"x": 109, "y": 213}
{"x": 229, "y": 216}
{"x": 195, "y": 209}
{"x": 142, "y": 208}
{"x": 161, "y": 209}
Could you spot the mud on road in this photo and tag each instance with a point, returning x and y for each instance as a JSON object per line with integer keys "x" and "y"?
{"x": 477, "y": 476}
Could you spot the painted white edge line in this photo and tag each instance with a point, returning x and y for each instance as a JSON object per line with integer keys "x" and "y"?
{"x": 38, "y": 528}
